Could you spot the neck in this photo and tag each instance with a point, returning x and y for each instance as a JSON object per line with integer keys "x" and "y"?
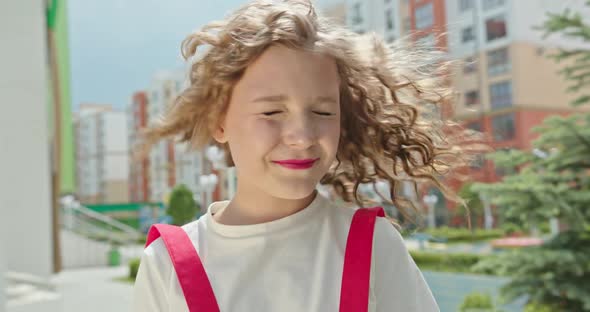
{"x": 259, "y": 207}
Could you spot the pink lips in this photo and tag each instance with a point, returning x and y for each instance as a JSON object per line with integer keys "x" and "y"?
{"x": 296, "y": 163}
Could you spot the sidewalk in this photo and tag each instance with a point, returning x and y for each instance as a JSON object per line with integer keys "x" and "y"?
{"x": 94, "y": 290}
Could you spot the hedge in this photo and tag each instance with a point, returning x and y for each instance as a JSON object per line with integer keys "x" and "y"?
{"x": 446, "y": 262}
{"x": 465, "y": 235}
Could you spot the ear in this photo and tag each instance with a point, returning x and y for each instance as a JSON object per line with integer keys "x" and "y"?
{"x": 219, "y": 133}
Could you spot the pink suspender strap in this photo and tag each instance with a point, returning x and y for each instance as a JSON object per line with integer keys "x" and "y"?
{"x": 354, "y": 296}
{"x": 188, "y": 266}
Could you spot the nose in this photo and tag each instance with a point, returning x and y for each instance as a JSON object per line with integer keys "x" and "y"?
{"x": 300, "y": 132}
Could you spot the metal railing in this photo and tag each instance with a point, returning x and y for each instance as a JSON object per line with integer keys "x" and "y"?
{"x": 97, "y": 226}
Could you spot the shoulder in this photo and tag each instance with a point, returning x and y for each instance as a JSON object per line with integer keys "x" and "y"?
{"x": 387, "y": 236}
{"x": 156, "y": 254}
{"x": 385, "y": 232}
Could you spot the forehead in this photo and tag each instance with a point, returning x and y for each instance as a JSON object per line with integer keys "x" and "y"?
{"x": 285, "y": 69}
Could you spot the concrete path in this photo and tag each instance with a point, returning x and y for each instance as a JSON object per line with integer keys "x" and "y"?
{"x": 94, "y": 290}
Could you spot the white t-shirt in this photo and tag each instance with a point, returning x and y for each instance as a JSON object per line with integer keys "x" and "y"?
{"x": 293, "y": 264}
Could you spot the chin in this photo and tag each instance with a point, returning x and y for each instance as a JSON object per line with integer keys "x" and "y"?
{"x": 294, "y": 191}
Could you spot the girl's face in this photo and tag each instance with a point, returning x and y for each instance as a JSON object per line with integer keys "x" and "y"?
{"x": 283, "y": 123}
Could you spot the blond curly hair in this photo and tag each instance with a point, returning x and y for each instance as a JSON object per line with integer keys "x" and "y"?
{"x": 388, "y": 131}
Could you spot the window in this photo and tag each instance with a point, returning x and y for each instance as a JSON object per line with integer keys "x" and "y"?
{"x": 469, "y": 66}
{"x": 467, "y": 34}
{"x": 501, "y": 95}
{"x": 496, "y": 27}
{"x": 357, "y": 16}
{"x": 465, "y": 5}
{"x": 472, "y": 98}
{"x": 389, "y": 21}
{"x": 390, "y": 39}
{"x": 498, "y": 62}
{"x": 492, "y": 4}
{"x": 424, "y": 16}
{"x": 475, "y": 126}
{"x": 503, "y": 127}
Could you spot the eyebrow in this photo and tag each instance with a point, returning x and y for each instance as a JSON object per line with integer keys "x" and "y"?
{"x": 282, "y": 98}
{"x": 271, "y": 98}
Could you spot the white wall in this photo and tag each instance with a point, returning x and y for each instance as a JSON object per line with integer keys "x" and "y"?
{"x": 188, "y": 167}
{"x": 373, "y": 16}
{"x": 2, "y": 269}
{"x": 116, "y": 167}
{"x": 88, "y": 183}
{"x": 115, "y": 132}
{"x": 116, "y": 146}
{"x": 158, "y": 174}
{"x": 25, "y": 191}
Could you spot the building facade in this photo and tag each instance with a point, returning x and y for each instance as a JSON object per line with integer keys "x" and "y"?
{"x": 102, "y": 155}
{"x": 139, "y": 168}
{"x": 162, "y": 165}
{"x": 381, "y": 16}
{"x": 428, "y": 23}
{"x": 507, "y": 83}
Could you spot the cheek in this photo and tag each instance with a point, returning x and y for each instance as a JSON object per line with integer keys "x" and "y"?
{"x": 252, "y": 139}
{"x": 331, "y": 135}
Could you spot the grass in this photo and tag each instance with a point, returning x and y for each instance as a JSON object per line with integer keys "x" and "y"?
{"x": 124, "y": 279}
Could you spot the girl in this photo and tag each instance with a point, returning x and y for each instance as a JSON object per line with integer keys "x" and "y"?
{"x": 296, "y": 101}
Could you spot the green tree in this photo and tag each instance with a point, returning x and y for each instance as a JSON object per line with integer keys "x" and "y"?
{"x": 182, "y": 206}
{"x": 474, "y": 209}
{"x": 551, "y": 181}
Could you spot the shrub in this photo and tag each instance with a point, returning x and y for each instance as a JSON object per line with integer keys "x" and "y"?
{"x": 133, "y": 268}
{"x": 477, "y": 302}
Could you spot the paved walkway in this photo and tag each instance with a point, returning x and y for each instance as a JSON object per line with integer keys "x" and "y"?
{"x": 94, "y": 290}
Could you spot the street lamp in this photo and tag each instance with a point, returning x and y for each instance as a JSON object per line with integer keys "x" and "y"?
{"x": 217, "y": 158}
{"x": 69, "y": 203}
{"x": 430, "y": 201}
{"x": 207, "y": 183}
{"x": 487, "y": 211}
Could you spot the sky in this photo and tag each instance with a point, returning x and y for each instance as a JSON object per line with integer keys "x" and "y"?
{"x": 116, "y": 46}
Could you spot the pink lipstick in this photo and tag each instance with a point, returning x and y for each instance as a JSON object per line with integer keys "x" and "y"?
{"x": 296, "y": 163}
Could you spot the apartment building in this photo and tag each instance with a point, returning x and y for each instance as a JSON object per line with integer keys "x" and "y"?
{"x": 101, "y": 154}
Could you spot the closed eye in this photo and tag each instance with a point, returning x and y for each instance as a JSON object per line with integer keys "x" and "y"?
{"x": 324, "y": 113}
{"x": 271, "y": 113}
